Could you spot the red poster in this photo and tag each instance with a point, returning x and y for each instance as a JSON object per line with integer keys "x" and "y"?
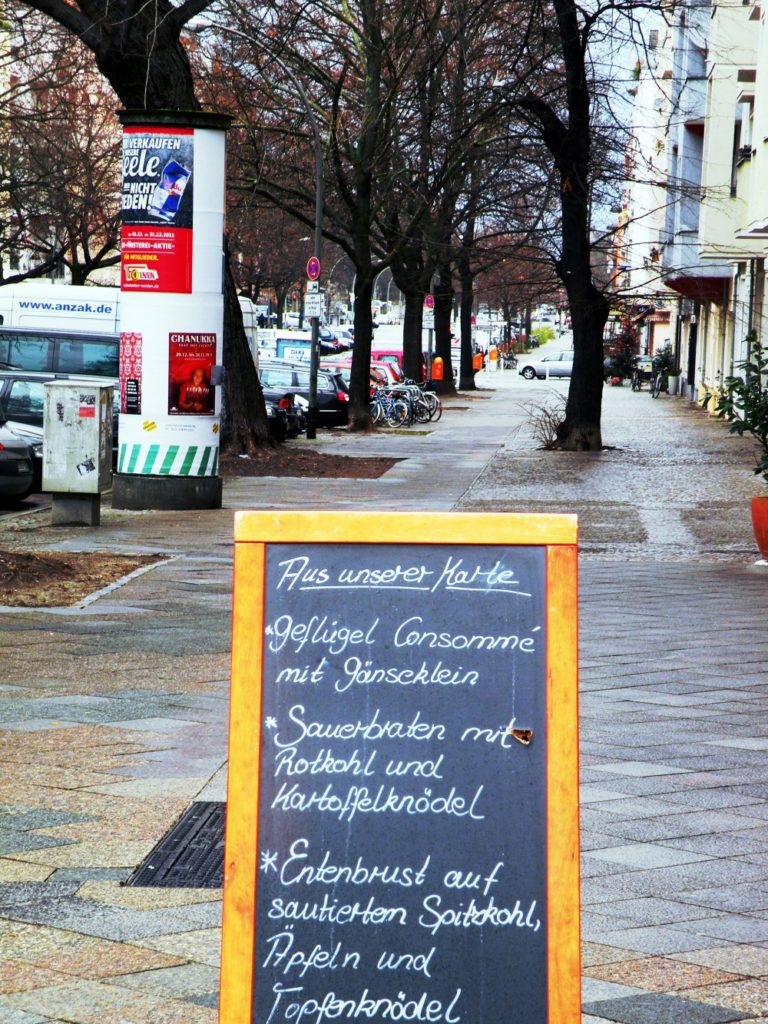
{"x": 130, "y": 373}
{"x": 191, "y": 358}
{"x": 156, "y": 259}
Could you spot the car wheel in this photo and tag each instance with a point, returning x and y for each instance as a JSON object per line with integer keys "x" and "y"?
{"x": 529, "y": 373}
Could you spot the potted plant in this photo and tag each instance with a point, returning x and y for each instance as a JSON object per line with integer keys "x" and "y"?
{"x": 743, "y": 403}
{"x": 665, "y": 359}
{"x": 673, "y": 377}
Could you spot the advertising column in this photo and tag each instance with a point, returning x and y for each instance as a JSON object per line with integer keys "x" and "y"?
{"x": 171, "y": 310}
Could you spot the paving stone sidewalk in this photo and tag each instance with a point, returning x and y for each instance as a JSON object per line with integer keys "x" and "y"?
{"x": 113, "y": 718}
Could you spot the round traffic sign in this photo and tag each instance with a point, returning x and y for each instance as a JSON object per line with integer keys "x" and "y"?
{"x": 429, "y": 301}
{"x": 313, "y": 268}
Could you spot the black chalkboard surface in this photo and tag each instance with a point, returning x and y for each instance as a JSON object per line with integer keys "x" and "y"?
{"x": 401, "y": 863}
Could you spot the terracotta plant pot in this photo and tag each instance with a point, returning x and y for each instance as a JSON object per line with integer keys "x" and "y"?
{"x": 760, "y": 524}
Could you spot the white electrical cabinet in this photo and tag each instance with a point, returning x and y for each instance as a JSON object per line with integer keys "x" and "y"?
{"x": 77, "y": 447}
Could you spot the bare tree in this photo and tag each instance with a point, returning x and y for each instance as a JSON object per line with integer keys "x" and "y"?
{"x": 385, "y": 82}
{"x": 558, "y": 93}
{"x": 64, "y": 150}
{"x": 350, "y": 61}
{"x": 140, "y": 51}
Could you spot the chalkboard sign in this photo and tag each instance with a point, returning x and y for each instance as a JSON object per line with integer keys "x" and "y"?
{"x": 402, "y": 838}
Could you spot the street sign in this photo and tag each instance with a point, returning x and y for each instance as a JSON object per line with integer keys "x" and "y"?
{"x": 429, "y": 301}
{"x": 428, "y": 320}
{"x": 313, "y": 268}
{"x": 313, "y": 286}
{"x": 314, "y": 304}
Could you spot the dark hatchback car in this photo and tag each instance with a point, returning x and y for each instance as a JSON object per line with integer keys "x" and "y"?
{"x": 281, "y": 378}
{"x": 17, "y": 473}
{"x": 286, "y": 417}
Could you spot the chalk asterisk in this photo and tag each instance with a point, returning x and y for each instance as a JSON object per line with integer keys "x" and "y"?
{"x": 268, "y": 861}
{"x": 271, "y": 722}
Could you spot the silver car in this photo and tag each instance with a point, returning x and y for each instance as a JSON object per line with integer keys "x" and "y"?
{"x": 556, "y": 364}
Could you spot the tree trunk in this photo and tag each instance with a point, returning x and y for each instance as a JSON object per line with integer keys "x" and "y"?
{"x": 244, "y": 426}
{"x": 581, "y": 430}
{"x": 280, "y": 295}
{"x": 443, "y": 293}
{"x": 408, "y": 274}
{"x": 359, "y": 384}
{"x": 413, "y": 359}
{"x": 466, "y": 373}
{"x": 570, "y": 145}
{"x": 138, "y": 50}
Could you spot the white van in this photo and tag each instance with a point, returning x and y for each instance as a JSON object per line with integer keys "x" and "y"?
{"x": 60, "y": 307}
{"x": 250, "y": 318}
{"x": 60, "y": 328}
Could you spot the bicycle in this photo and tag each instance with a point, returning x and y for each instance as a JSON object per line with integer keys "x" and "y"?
{"x": 424, "y": 404}
{"x": 642, "y": 372}
{"x": 656, "y": 382}
{"x": 386, "y": 407}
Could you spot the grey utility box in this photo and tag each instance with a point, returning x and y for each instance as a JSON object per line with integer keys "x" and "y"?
{"x": 77, "y": 449}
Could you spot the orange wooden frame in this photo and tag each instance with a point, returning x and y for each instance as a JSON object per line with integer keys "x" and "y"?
{"x": 556, "y": 533}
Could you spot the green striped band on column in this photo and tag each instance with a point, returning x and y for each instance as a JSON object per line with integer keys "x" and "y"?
{"x": 133, "y": 459}
{"x": 189, "y": 458}
{"x": 168, "y": 460}
{"x": 149, "y": 461}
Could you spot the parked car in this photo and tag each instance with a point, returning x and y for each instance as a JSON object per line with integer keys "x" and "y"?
{"x": 330, "y": 340}
{"x": 277, "y": 420}
{"x": 279, "y": 379}
{"x": 556, "y": 364}
{"x": 622, "y": 365}
{"x": 292, "y": 407}
{"x": 385, "y": 373}
{"x": 17, "y": 458}
{"x": 395, "y": 357}
{"x": 22, "y": 397}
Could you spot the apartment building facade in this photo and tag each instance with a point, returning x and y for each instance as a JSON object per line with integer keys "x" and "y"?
{"x": 637, "y": 268}
{"x": 714, "y": 239}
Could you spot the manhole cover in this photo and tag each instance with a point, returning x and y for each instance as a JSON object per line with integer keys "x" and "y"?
{"x": 191, "y": 855}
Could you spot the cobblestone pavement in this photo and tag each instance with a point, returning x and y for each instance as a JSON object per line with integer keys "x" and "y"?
{"x": 113, "y": 718}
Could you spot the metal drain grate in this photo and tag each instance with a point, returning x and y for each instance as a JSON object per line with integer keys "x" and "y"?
{"x": 191, "y": 855}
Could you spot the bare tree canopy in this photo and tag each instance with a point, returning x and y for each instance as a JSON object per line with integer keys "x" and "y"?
{"x": 139, "y": 49}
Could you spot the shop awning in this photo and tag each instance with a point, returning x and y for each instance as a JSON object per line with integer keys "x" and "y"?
{"x": 700, "y": 289}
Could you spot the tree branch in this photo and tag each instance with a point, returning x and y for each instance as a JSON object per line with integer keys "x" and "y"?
{"x": 67, "y": 16}
{"x": 175, "y": 22}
